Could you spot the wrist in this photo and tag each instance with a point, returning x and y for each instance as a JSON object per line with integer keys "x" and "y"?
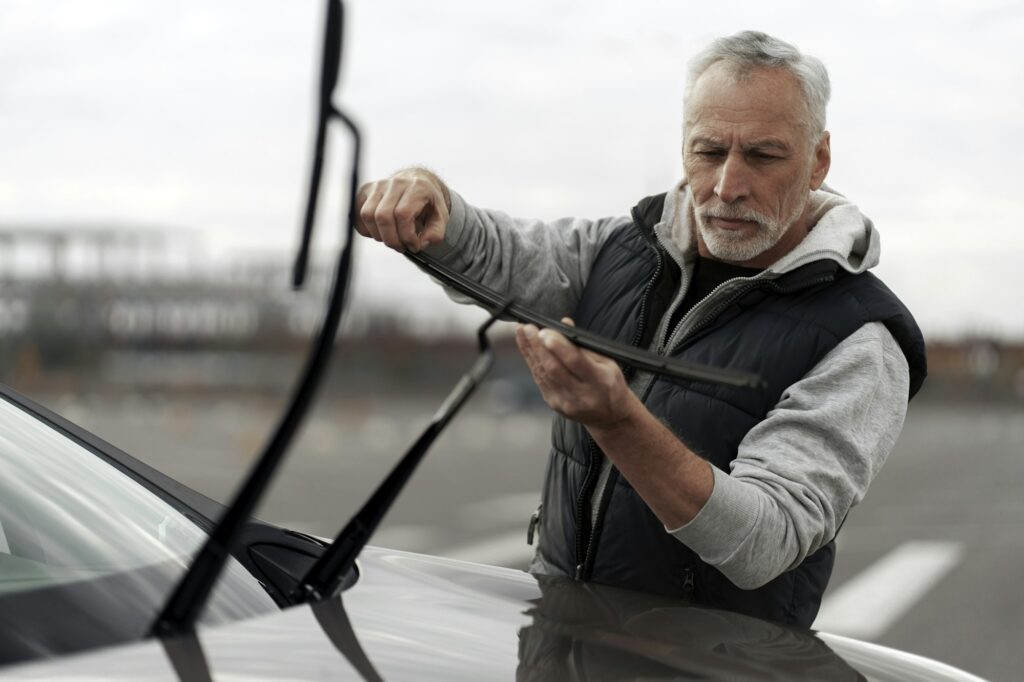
{"x": 431, "y": 177}
{"x": 628, "y": 416}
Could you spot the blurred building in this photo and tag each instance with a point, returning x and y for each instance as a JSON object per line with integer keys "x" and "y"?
{"x": 94, "y": 309}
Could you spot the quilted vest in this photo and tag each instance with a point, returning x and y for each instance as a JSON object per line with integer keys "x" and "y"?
{"x": 777, "y": 328}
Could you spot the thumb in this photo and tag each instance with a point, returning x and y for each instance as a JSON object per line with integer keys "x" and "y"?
{"x": 595, "y": 357}
{"x": 434, "y": 227}
{"x": 432, "y": 233}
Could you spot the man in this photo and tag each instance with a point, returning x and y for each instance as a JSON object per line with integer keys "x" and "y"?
{"x": 727, "y": 497}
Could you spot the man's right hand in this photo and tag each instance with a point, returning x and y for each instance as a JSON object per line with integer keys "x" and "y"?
{"x": 409, "y": 210}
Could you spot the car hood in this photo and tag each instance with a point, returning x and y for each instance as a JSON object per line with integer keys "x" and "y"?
{"x": 417, "y": 617}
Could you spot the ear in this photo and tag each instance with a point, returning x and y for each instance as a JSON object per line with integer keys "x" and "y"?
{"x": 822, "y": 160}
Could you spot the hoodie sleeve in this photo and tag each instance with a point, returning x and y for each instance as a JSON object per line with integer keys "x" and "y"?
{"x": 798, "y": 472}
{"x": 542, "y": 265}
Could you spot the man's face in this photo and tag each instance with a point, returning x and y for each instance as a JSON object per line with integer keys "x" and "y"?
{"x": 750, "y": 164}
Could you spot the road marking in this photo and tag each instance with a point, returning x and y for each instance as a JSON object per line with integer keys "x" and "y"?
{"x": 869, "y": 603}
{"x": 508, "y": 549}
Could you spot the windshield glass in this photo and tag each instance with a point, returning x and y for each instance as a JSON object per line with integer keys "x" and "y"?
{"x": 65, "y": 514}
{"x": 82, "y": 539}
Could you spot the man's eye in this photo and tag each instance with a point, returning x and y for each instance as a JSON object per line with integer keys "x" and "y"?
{"x": 709, "y": 153}
{"x": 761, "y": 156}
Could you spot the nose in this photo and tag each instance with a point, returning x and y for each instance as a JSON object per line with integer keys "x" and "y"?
{"x": 733, "y": 180}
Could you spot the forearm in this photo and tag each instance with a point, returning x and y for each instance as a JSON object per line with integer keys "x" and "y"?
{"x": 543, "y": 265}
{"x": 673, "y": 481}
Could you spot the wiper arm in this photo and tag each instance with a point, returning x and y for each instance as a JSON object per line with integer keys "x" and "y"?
{"x": 182, "y": 609}
{"x": 325, "y": 578}
{"x": 624, "y": 354}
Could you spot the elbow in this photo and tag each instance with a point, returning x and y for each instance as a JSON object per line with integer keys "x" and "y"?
{"x": 750, "y": 579}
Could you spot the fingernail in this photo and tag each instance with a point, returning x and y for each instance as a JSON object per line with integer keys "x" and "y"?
{"x": 530, "y": 331}
{"x": 546, "y": 337}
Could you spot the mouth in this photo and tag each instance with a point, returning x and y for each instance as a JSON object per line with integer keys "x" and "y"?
{"x": 730, "y": 224}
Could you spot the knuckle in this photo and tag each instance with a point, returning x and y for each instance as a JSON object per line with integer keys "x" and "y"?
{"x": 405, "y": 213}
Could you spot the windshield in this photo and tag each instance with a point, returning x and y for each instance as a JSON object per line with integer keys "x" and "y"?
{"x": 81, "y": 538}
{"x": 67, "y": 515}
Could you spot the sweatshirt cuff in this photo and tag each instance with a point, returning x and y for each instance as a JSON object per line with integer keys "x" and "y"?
{"x": 453, "y": 231}
{"x": 724, "y": 522}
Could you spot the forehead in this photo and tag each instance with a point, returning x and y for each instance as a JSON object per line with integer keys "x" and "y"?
{"x": 757, "y": 103}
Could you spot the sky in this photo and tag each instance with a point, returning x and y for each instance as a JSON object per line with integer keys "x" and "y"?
{"x": 196, "y": 117}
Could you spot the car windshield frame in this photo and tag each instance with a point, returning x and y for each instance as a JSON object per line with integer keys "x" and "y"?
{"x": 112, "y": 603}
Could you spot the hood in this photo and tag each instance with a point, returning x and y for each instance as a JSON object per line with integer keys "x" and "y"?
{"x": 839, "y": 232}
{"x": 416, "y": 617}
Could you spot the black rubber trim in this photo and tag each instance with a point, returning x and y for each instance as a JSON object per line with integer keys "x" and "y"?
{"x": 634, "y": 357}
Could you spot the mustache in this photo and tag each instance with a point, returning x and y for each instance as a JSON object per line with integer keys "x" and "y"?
{"x": 728, "y": 212}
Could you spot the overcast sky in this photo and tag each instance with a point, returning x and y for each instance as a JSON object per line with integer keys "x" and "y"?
{"x": 197, "y": 115}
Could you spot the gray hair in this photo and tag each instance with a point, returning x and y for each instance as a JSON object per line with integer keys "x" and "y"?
{"x": 749, "y": 50}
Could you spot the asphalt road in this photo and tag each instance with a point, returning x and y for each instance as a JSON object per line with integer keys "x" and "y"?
{"x": 931, "y": 562}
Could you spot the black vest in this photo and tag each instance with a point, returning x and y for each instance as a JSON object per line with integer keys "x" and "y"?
{"x": 777, "y": 328}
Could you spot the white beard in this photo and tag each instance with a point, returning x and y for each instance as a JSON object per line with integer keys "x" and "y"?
{"x": 738, "y": 246}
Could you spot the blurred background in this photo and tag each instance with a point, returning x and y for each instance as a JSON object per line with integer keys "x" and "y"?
{"x": 152, "y": 173}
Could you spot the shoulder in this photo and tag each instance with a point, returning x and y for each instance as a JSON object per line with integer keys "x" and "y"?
{"x": 868, "y": 360}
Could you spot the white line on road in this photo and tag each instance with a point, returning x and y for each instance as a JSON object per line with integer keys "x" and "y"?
{"x": 866, "y": 605}
{"x": 507, "y": 549}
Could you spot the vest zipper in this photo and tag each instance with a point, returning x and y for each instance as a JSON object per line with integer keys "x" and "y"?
{"x": 755, "y": 283}
{"x": 659, "y": 264}
{"x": 585, "y": 531}
{"x": 689, "y": 583}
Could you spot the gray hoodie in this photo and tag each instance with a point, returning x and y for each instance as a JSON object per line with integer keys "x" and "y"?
{"x": 797, "y": 473}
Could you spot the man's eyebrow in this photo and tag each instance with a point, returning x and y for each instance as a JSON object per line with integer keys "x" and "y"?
{"x": 706, "y": 141}
{"x": 767, "y": 146}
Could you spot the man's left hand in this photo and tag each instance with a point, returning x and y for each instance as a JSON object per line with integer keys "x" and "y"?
{"x": 577, "y": 383}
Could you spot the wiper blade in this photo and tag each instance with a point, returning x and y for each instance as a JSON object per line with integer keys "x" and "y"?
{"x": 325, "y": 578}
{"x": 624, "y": 354}
{"x": 182, "y": 609}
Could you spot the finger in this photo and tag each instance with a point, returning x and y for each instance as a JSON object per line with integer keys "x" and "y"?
{"x": 368, "y": 209}
{"x": 568, "y": 354}
{"x": 412, "y": 204}
{"x": 551, "y": 365}
{"x": 589, "y": 354}
{"x": 525, "y": 334}
{"x": 435, "y": 223}
{"x": 361, "y": 197}
{"x": 384, "y": 216}
{"x": 537, "y": 361}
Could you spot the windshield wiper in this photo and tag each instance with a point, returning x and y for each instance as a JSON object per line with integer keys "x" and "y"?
{"x": 326, "y": 577}
{"x": 185, "y": 604}
{"x": 629, "y": 356}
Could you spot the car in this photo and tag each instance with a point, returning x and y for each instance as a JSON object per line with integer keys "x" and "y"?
{"x": 92, "y": 542}
{"x": 110, "y": 569}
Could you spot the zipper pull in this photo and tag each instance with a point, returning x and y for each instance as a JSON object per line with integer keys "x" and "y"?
{"x": 534, "y": 520}
{"x": 688, "y": 583}
{"x": 579, "y": 571}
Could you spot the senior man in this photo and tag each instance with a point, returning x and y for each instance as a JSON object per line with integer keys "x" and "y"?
{"x": 726, "y": 497}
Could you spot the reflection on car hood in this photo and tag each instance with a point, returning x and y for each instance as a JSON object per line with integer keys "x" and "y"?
{"x": 416, "y": 617}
